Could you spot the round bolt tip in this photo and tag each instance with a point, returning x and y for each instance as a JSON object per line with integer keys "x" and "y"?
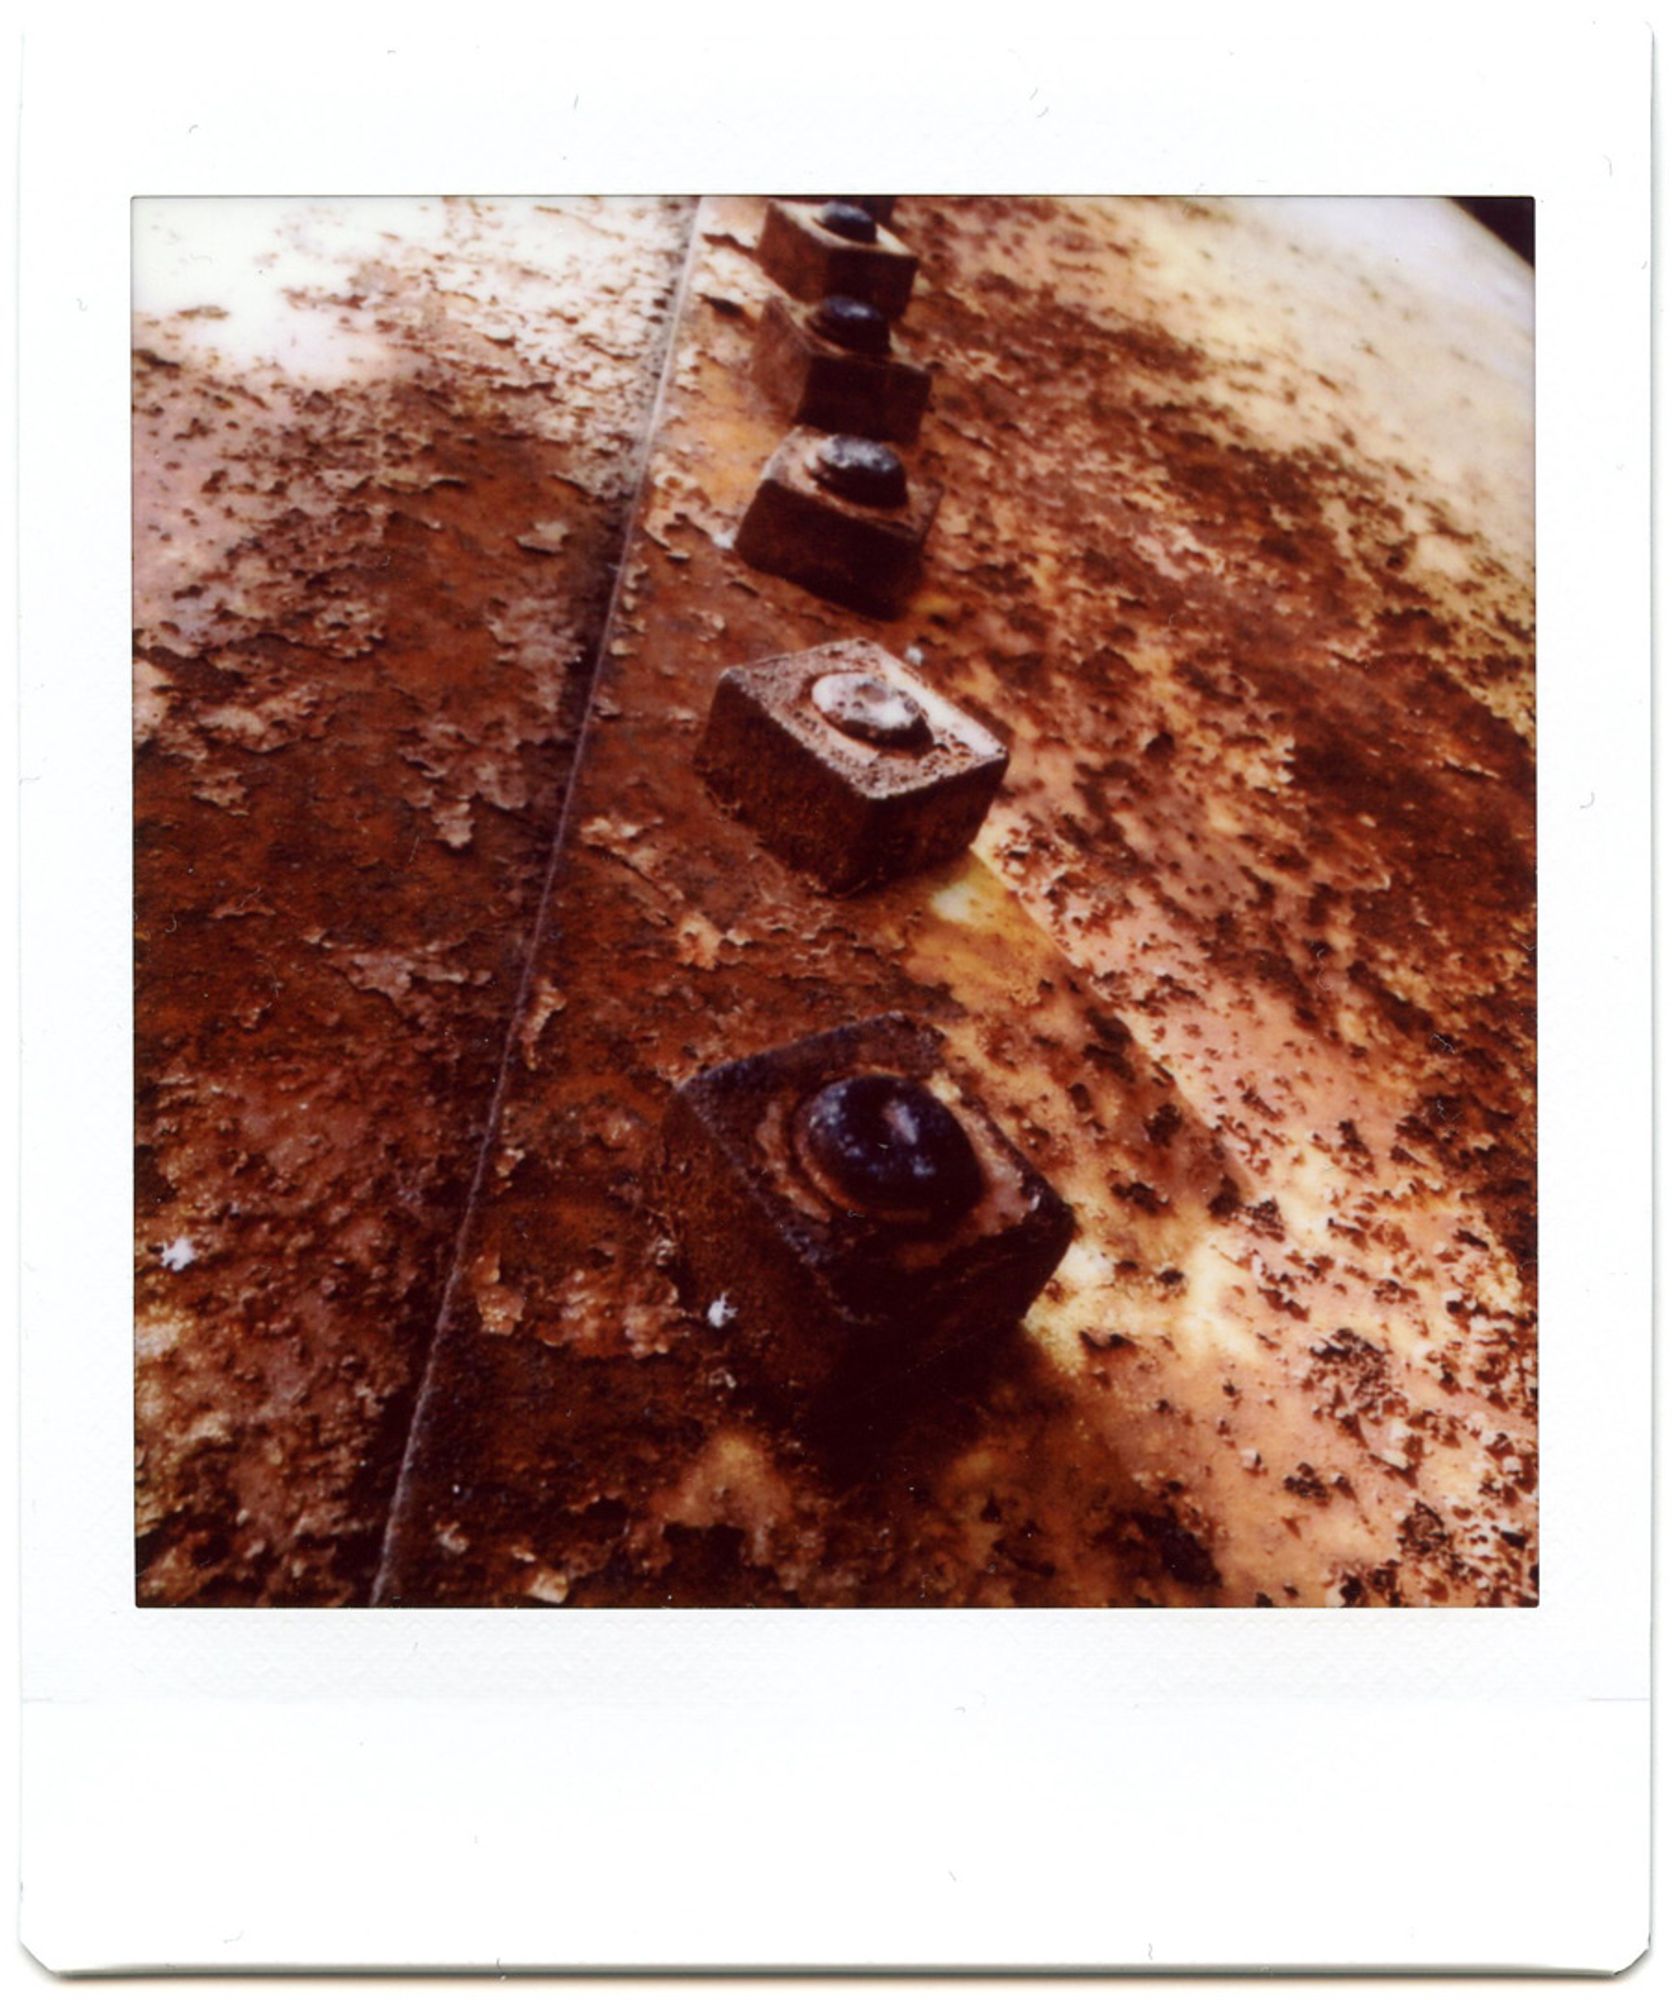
{"x": 887, "y": 1147}
{"x": 861, "y": 470}
{"x": 851, "y": 323}
{"x": 849, "y": 221}
{"x": 873, "y": 710}
{"x": 879, "y": 205}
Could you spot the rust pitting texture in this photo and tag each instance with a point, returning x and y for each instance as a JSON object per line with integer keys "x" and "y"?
{"x": 1244, "y": 964}
{"x": 1260, "y": 889}
{"x": 383, "y": 455}
{"x": 1236, "y": 551}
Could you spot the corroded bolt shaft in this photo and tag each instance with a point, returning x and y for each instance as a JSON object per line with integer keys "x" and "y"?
{"x": 868, "y": 708}
{"x": 849, "y": 221}
{"x": 851, "y": 323}
{"x": 861, "y": 470}
{"x": 887, "y": 1147}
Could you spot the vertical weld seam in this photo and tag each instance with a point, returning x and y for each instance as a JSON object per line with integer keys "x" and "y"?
{"x": 587, "y": 679}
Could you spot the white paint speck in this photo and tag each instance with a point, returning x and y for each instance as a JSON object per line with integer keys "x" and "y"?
{"x": 721, "y": 1312}
{"x": 913, "y": 656}
{"x": 178, "y": 1254}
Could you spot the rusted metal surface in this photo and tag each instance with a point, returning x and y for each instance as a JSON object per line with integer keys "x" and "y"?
{"x": 383, "y": 454}
{"x": 1236, "y": 552}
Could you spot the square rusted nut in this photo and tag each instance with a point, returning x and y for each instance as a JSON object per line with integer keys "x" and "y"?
{"x": 810, "y": 261}
{"x": 847, "y": 765}
{"x": 865, "y": 557}
{"x": 816, "y": 381}
{"x": 848, "y": 1213}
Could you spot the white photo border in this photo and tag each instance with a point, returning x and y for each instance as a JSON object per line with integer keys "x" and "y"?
{"x": 1155, "y": 1790}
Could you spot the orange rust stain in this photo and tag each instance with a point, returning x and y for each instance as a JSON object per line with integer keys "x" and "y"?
{"x": 1263, "y": 873}
{"x": 366, "y": 573}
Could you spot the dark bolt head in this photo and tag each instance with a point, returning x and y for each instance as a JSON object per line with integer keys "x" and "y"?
{"x": 861, "y": 470}
{"x": 851, "y": 323}
{"x": 849, "y": 221}
{"x": 869, "y": 708}
{"x": 886, "y": 1147}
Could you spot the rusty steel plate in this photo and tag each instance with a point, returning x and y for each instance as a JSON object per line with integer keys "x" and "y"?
{"x": 1235, "y": 553}
{"x": 383, "y": 456}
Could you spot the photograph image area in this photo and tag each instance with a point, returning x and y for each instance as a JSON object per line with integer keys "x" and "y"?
{"x": 835, "y": 902}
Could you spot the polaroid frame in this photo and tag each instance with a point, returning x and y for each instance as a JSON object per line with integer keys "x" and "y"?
{"x": 1027, "y": 1790}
